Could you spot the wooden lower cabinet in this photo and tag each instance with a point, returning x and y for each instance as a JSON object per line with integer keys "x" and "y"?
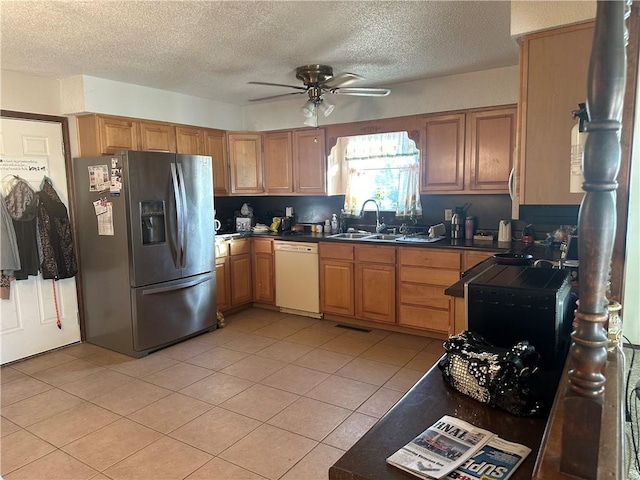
{"x": 240, "y": 271}
{"x": 470, "y": 258}
{"x": 375, "y": 283}
{"x": 264, "y": 288}
{"x": 423, "y": 276}
{"x": 337, "y": 279}
{"x": 223, "y": 293}
{"x": 223, "y": 275}
{"x": 376, "y": 292}
{"x": 241, "y": 288}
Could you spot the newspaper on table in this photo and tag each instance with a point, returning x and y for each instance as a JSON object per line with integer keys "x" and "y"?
{"x": 441, "y": 448}
{"x": 497, "y": 460}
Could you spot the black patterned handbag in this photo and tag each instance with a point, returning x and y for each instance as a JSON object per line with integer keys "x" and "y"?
{"x": 500, "y": 377}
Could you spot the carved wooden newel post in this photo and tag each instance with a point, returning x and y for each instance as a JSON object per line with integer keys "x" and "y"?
{"x": 584, "y": 402}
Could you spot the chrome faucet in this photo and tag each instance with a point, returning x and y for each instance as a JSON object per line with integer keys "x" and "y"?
{"x": 379, "y": 226}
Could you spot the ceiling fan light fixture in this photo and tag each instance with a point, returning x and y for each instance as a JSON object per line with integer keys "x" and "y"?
{"x": 311, "y": 121}
{"x": 308, "y": 109}
{"x": 326, "y": 107}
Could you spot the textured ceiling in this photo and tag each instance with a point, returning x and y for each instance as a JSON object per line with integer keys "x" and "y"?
{"x": 211, "y": 49}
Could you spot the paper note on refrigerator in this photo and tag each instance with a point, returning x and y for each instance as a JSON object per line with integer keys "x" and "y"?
{"x": 105, "y": 221}
{"x": 98, "y": 178}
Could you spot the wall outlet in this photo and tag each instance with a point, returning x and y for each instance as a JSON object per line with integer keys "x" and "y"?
{"x": 448, "y": 212}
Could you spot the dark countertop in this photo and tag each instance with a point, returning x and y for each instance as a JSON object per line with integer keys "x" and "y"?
{"x": 326, "y": 237}
{"x": 544, "y": 252}
{"x": 428, "y": 400}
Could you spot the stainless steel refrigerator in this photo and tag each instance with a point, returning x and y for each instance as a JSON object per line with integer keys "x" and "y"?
{"x": 146, "y": 245}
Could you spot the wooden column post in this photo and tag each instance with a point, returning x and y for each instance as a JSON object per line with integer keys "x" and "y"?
{"x": 583, "y": 404}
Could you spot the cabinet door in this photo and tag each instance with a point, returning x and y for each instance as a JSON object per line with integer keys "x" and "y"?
{"x": 245, "y": 161}
{"x": 442, "y": 154}
{"x": 490, "y": 149}
{"x": 278, "y": 174}
{"x": 376, "y": 292}
{"x": 555, "y": 65}
{"x": 223, "y": 293}
{"x": 190, "y": 140}
{"x": 241, "y": 288}
{"x": 264, "y": 290}
{"x": 263, "y": 279}
{"x": 309, "y": 162}
{"x": 117, "y": 134}
{"x": 336, "y": 287}
{"x": 214, "y": 146}
{"x": 157, "y": 137}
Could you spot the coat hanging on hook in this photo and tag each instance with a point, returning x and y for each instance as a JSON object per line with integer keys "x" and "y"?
{"x": 56, "y": 241}
{"x": 22, "y": 204}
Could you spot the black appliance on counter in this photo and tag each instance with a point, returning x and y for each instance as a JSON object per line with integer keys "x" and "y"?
{"x": 286, "y": 224}
{"x": 507, "y": 304}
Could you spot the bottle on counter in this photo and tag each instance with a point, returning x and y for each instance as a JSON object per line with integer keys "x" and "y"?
{"x": 334, "y": 224}
{"x": 468, "y": 228}
{"x": 456, "y": 225}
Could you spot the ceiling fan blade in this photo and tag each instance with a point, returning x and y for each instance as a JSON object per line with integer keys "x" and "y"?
{"x": 362, "y": 92}
{"x": 341, "y": 79}
{"x": 274, "y": 96}
{"x": 297, "y": 87}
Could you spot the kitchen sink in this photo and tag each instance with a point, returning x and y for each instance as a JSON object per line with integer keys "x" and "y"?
{"x": 418, "y": 239}
{"x": 384, "y": 237}
{"x": 351, "y": 235}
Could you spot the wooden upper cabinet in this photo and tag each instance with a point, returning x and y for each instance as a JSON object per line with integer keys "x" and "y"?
{"x": 278, "y": 162}
{"x": 309, "y": 162}
{"x": 490, "y": 150}
{"x": 442, "y": 154}
{"x": 190, "y": 140}
{"x": 215, "y": 147}
{"x": 245, "y": 162}
{"x": 157, "y": 137}
{"x": 553, "y": 79}
{"x": 103, "y": 135}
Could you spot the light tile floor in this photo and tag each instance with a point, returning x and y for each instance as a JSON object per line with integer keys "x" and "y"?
{"x": 272, "y": 395}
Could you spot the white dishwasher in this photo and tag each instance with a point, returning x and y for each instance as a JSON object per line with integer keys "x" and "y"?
{"x": 297, "y": 278}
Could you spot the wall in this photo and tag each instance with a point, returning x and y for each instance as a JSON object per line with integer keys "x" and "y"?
{"x": 27, "y": 93}
{"x": 533, "y": 16}
{"x": 117, "y": 98}
{"x": 477, "y": 89}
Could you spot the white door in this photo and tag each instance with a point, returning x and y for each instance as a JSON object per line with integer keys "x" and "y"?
{"x": 33, "y": 150}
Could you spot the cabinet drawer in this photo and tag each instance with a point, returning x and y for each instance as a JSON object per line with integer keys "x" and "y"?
{"x": 240, "y": 246}
{"x": 222, "y": 249}
{"x": 424, "y": 318}
{"x": 429, "y": 276}
{"x": 424, "y": 257}
{"x": 423, "y": 295}
{"x": 376, "y": 254}
{"x": 262, "y": 245}
{"x": 336, "y": 250}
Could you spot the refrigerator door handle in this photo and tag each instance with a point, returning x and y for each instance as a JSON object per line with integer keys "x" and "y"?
{"x": 180, "y": 286}
{"x": 185, "y": 214}
{"x": 179, "y": 213}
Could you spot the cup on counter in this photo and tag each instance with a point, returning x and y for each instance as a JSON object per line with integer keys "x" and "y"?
{"x": 313, "y": 229}
{"x": 318, "y": 228}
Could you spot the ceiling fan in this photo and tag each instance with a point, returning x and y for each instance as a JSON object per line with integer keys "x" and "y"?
{"x": 317, "y": 80}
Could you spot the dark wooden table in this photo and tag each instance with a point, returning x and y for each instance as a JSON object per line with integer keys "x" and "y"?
{"x": 428, "y": 400}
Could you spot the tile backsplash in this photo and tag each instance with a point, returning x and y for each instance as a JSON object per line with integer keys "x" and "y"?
{"x": 487, "y": 210}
